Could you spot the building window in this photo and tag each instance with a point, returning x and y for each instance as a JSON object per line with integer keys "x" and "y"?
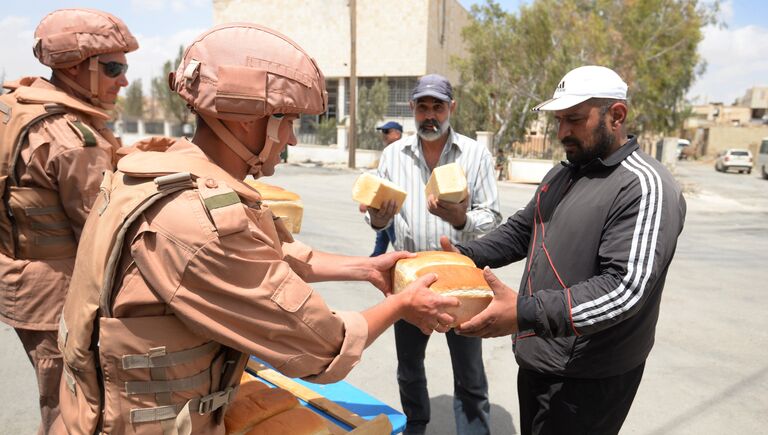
{"x": 399, "y": 94}
{"x": 332, "y": 86}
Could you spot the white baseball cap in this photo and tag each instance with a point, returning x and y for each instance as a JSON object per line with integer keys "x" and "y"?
{"x": 583, "y": 83}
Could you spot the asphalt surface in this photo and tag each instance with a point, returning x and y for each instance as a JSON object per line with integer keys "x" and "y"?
{"x": 707, "y": 374}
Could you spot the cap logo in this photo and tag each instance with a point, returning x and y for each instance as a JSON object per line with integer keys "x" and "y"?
{"x": 560, "y": 87}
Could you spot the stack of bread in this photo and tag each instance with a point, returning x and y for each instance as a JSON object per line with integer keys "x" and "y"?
{"x": 447, "y": 183}
{"x": 283, "y": 203}
{"x": 457, "y": 276}
{"x": 373, "y": 191}
{"x": 261, "y": 410}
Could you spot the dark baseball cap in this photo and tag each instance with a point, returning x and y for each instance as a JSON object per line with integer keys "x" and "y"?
{"x": 433, "y": 85}
{"x": 391, "y": 124}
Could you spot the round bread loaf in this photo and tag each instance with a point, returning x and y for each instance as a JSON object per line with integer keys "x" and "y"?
{"x": 254, "y": 404}
{"x": 456, "y": 276}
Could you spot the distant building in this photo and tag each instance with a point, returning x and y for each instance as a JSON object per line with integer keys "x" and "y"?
{"x": 718, "y": 114}
{"x": 756, "y": 99}
{"x": 397, "y": 39}
{"x": 713, "y": 128}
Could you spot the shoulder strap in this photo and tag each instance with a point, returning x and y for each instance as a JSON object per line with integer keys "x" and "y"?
{"x": 223, "y": 205}
{"x": 89, "y": 138}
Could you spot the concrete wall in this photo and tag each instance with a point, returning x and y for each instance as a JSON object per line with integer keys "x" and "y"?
{"x": 724, "y": 137}
{"x": 446, "y": 19}
{"x": 395, "y": 38}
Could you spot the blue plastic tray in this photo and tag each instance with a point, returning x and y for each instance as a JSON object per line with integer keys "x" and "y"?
{"x": 351, "y": 398}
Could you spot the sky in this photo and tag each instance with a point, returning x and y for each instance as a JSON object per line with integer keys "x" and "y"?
{"x": 736, "y": 55}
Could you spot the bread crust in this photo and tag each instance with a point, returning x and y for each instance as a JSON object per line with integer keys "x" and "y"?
{"x": 255, "y": 404}
{"x": 457, "y": 276}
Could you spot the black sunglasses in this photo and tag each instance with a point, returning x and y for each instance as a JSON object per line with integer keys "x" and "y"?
{"x": 385, "y": 131}
{"x": 114, "y": 69}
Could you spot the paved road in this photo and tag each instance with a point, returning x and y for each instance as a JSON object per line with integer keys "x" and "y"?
{"x": 707, "y": 374}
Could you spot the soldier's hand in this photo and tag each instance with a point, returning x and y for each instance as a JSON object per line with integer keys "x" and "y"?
{"x": 454, "y": 214}
{"x": 380, "y": 274}
{"x": 380, "y": 217}
{"x": 499, "y": 318}
{"x": 424, "y": 308}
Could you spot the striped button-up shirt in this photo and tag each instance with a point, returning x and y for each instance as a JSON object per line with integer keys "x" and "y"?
{"x": 417, "y": 229}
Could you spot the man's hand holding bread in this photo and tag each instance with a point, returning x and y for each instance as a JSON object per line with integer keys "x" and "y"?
{"x": 380, "y": 217}
{"x": 500, "y": 317}
{"x": 453, "y": 213}
{"x": 426, "y": 309}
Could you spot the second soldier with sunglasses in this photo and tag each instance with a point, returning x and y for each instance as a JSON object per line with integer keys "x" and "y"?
{"x": 54, "y": 148}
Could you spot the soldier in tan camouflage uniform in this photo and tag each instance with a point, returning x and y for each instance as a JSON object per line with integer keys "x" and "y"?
{"x": 54, "y": 148}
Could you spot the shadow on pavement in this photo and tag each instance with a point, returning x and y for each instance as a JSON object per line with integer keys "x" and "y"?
{"x": 442, "y": 422}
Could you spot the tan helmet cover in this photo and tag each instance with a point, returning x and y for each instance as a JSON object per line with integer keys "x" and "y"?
{"x": 243, "y": 71}
{"x": 67, "y": 37}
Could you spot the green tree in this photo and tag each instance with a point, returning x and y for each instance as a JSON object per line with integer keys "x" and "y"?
{"x": 516, "y": 60}
{"x": 134, "y": 100}
{"x": 326, "y": 130}
{"x": 171, "y": 103}
{"x": 371, "y": 108}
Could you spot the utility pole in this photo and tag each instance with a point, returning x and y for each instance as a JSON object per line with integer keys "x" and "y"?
{"x": 352, "y": 139}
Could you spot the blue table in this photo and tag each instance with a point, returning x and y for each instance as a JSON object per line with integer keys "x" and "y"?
{"x": 349, "y": 397}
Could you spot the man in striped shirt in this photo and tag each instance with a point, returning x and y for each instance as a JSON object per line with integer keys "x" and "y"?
{"x": 418, "y": 227}
{"x": 599, "y": 236}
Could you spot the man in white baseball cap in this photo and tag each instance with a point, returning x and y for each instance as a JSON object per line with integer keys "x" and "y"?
{"x": 584, "y": 319}
{"x": 578, "y": 93}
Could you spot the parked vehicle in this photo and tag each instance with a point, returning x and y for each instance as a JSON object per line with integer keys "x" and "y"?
{"x": 683, "y": 149}
{"x": 737, "y": 159}
{"x": 762, "y": 158}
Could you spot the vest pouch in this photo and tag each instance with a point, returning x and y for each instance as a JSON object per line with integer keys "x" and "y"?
{"x": 44, "y": 232}
{"x": 152, "y": 366}
{"x": 6, "y": 228}
{"x": 79, "y": 392}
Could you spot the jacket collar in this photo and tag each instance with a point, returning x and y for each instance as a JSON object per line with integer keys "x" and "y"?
{"x": 614, "y": 159}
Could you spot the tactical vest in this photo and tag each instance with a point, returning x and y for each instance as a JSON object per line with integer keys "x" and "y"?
{"x": 32, "y": 222}
{"x": 122, "y": 373}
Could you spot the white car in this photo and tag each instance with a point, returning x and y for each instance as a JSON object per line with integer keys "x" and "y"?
{"x": 738, "y": 159}
{"x": 683, "y": 149}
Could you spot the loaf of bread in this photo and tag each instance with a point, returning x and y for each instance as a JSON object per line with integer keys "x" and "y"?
{"x": 296, "y": 421}
{"x": 284, "y": 204}
{"x": 373, "y": 191}
{"x": 255, "y": 404}
{"x": 457, "y": 276}
{"x": 447, "y": 183}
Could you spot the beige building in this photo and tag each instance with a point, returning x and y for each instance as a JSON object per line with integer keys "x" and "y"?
{"x": 713, "y": 128}
{"x": 756, "y": 99}
{"x": 397, "y": 39}
{"x": 706, "y": 115}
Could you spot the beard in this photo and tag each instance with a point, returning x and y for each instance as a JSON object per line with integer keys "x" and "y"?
{"x": 580, "y": 155}
{"x": 431, "y": 130}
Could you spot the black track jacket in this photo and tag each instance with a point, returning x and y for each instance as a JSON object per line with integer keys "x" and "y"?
{"x": 598, "y": 242}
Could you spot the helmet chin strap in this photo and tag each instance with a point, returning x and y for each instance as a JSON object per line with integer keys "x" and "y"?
{"x": 93, "y": 93}
{"x": 254, "y": 162}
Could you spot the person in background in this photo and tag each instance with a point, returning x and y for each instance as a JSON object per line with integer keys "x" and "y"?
{"x": 391, "y": 132}
{"x": 54, "y": 147}
{"x": 598, "y": 237}
{"x": 418, "y": 227}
